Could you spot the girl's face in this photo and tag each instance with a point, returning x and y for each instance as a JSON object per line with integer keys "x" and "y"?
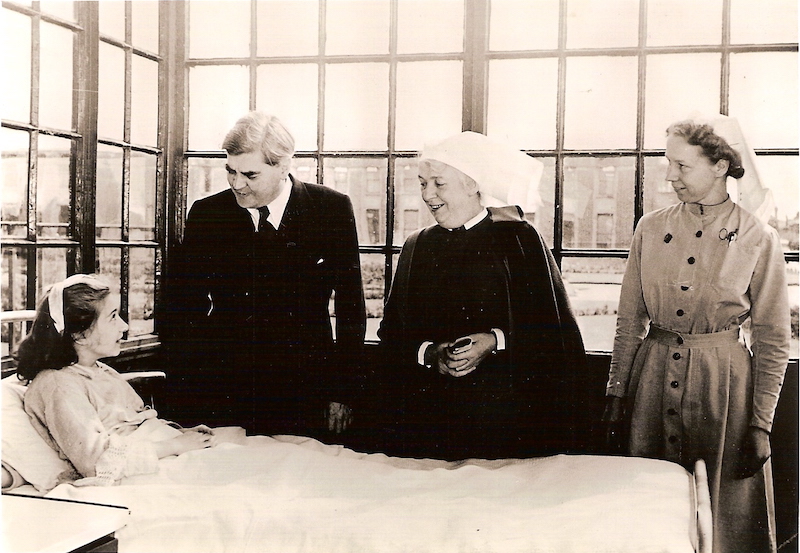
{"x": 103, "y": 339}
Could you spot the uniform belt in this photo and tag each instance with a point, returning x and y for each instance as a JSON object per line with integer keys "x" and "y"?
{"x": 686, "y": 340}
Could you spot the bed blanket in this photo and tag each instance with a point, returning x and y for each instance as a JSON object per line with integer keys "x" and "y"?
{"x": 292, "y": 494}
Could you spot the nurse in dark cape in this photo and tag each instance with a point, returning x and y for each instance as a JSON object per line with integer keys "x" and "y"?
{"x": 481, "y": 351}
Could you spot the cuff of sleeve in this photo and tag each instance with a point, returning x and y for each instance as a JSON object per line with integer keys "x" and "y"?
{"x": 421, "y": 353}
{"x": 500, "y": 336}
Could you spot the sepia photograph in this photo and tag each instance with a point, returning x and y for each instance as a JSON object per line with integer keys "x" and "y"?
{"x": 390, "y": 276}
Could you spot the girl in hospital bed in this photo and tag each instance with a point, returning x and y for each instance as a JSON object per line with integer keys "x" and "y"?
{"x": 80, "y": 406}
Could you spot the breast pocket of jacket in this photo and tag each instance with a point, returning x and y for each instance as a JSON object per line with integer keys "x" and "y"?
{"x": 735, "y": 269}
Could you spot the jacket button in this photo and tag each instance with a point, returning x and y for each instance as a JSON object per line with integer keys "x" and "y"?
{"x": 674, "y": 384}
{"x": 679, "y": 312}
{"x": 671, "y": 411}
{"x": 673, "y": 439}
{"x": 690, "y": 261}
{"x": 699, "y": 233}
{"x": 667, "y": 238}
{"x": 676, "y": 356}
{"x": 684, "y": 288}
{"x": 680, "y": 340}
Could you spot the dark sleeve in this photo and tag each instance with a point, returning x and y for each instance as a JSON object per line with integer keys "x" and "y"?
{"x": 348, "y": 287}
{"x": 348, "y": 377}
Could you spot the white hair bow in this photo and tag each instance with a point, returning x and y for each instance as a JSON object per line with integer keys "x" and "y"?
{"x": 55, "y": 297}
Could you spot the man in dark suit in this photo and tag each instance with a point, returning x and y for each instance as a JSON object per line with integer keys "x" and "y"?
{"x": 247, "y": 326}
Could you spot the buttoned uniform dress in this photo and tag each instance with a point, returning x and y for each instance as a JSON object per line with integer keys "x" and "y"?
{"x": 695, "y": 275}
{"x": 246, "y": 322}
{"x": 520, "y": 401}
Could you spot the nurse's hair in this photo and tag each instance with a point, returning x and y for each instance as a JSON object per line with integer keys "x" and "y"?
{"x": 714, "y": 146}
{"x": 260, "y": 132}
{"x": 51, "y": 342}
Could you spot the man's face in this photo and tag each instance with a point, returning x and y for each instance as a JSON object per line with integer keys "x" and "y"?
{"x": 450, "y": 195}
{"x": 254, "y": 182}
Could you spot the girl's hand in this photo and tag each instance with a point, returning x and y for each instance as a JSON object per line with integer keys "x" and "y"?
{"x": 190, "y": 440}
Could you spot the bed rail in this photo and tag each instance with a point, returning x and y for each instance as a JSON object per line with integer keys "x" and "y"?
{"x": 705, "y": 530}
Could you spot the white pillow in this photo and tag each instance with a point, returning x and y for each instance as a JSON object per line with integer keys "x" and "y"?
{"x": 23, "y": 449}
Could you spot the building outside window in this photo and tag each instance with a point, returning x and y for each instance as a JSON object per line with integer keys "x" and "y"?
{"x": 102, "y": 182}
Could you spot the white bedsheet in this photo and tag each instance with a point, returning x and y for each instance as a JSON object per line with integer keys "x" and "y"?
{"x": 290, "y": 494}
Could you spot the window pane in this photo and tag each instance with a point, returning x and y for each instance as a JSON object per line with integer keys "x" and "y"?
{"x": 601, "y": 102}
{"x": 144, "y": 25}
{"x": 53, "y": 198}
{"x": 276, "y": 38}
{"x": 357, "y": 27}
{"x": 112, "y": 18}
{"x": 206, "y": 176}
{"x": 141, "y": 297}
{"x": 661, "y": 110}
{"x": 211, "y": 114}
{"x": 144, "y": 101}
{"x": 430, "y": 26}
{"x": 683, "y": 22}
{"x": 763, "y": 22}
{"x": 428, "y": 102}
{"x": 15, "y": 150}
{"x": 364, "y": 180}
{"x": 658, "y": 192}
{"x": 142, "y": 216}
{"x": 304, "y": 169}
{"x": 219, "y": 29}
{"x": 533, "y": 25}
{"x": 109, "y": 193}
{"x": 410, "y": 212}
{"x": 111, "y": 93}
{"x": 610, "y": 23}
{"x": 373, "y": 276}
{"x": 764, "y": 96}
{"x": 598, "y": 202}
{"x": 60, "y": 8}
{"x": 55, "y": 79}
{"x": 109, "y": 263}
{"x": 522, "y": 102}
{"x": 295, "y": 105}
{"x": 780, "y": 175}
{"x": 543, "y": 218}
{"x": 356, "y": 117}
{"x": 593, "y": 286}
{"x": 793, "y": 279}
{"x": 15, "y": 278}
{"x": 51, "y": 265}
{"x": 16, "y": 68}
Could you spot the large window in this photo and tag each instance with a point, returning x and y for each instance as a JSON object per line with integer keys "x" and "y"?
{"x": 104, "y": 182}
{"x": 82, "y": 159}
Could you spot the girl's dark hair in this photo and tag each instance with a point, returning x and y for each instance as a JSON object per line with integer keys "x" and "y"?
{"x": 44, "y": 347}
{"x": 713, "y": 145}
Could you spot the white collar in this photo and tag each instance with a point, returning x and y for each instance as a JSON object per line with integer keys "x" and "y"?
{"x": 277, "y": 207}
{"x": 477, "y": 219}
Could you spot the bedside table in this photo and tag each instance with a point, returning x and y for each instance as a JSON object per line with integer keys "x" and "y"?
{"x": 42, "y": 525}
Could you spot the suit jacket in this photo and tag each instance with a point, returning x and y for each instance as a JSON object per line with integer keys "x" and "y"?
{"x": 247, "y": 318}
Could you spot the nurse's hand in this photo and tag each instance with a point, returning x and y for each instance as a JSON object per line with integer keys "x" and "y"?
{"x": 450, "y": 359}
{"x": 612, "y": 421}
{"x": 755, "y": 452}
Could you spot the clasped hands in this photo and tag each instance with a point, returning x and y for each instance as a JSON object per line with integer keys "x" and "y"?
{"x": 460, "y": 361}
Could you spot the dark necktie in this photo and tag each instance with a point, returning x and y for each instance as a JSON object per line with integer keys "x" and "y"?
{"x": 263, "y": 224}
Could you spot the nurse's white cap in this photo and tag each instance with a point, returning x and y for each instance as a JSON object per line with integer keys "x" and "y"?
{"x": 502, "y": 172}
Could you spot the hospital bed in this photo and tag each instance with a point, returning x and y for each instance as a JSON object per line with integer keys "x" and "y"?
{"x": 295, "y": 494}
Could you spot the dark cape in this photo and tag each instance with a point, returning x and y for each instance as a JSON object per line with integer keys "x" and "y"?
{"x": 520, "y": 402}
